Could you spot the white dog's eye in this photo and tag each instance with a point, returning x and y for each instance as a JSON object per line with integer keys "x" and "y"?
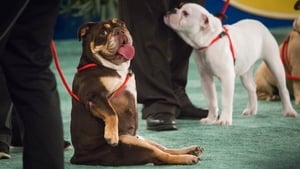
{"x": 185, "y": 13}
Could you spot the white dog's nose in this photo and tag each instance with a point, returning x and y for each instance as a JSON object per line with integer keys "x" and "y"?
{"x": 173, "y": 11}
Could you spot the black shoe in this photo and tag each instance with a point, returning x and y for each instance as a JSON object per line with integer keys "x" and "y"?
{"x": 188, "y": 110}
{"x": 192, "y": 112}
{"x": 161, "y": 122}
{"x": 4, "y": 155}
{"x": 4, "y": 151}
{"x": 67, "y": 145}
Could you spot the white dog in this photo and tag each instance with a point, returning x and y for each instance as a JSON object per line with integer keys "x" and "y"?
{"x": 227, "y": 52}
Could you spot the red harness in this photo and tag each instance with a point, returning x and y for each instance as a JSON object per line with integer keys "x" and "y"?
{"x": 221, "y": 35}
{"x": 91, "y": 65}
{"x": 116, "y": 92}
{"x": 283, "y": 55}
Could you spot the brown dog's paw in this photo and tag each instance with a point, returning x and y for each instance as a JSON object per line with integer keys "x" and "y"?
{"x": 192, "y": 160}
{"x": 196, "y": 151}
{"x": 267, "y": 96}
{"x": 111, "y": 139}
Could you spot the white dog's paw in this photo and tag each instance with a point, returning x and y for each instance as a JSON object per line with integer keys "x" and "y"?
{"x": 290, "y": 114}
{"x": 248, "y": 112}
{"x": 224, "y": 122}
{"x": 208, "y": 120}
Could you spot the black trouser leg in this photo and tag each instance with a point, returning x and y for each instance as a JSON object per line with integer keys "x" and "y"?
{"x": 5, "y": 115}
{"x": 151, "y": 64}
{"x": 32, "y": 85}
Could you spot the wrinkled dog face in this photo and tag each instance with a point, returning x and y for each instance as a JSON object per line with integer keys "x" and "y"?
{"x": 109, "y": 39}
{"x": 189, "y": 18}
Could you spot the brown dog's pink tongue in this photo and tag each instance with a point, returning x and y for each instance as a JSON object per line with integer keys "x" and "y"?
{"x": 127, "y": 51}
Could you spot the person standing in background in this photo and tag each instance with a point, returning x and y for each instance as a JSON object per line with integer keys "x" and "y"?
{"x": 160, "y": 65}
{"x": 26, "y": 30}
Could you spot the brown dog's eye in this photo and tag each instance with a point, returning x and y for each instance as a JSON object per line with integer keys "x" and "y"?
{"x": 103, "y": 33}
{"x": 185, "y": 13}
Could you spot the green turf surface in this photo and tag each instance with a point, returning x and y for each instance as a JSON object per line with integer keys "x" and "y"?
{"x": 267, "y": 140}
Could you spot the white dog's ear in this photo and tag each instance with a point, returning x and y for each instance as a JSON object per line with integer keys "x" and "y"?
{"x": 206, "y": 21}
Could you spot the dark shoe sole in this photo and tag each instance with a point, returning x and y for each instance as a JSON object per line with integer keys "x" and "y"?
{"x": 192, "y": 112}
{"x": 162, "y": 127}
{"x": 161, "y": 122}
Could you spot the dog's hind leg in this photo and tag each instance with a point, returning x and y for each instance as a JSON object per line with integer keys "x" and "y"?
{"x": 296, "y": 84}
{"x": 296, "y": 89}
{"x": 193, "y": 150}
{"x": 274, "y": 63}
{"x": 139, "y": 151}
{"x": 249, "y": 84}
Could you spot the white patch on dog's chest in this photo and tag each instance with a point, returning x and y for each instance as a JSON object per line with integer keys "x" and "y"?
{"x": 113, "y": 83}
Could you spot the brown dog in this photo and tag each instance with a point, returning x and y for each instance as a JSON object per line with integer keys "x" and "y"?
{"x": 104, "y": 108}
{"x": 290, "y": 54}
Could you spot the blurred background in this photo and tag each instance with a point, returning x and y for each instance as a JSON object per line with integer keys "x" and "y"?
{"x": 273, "y": 13}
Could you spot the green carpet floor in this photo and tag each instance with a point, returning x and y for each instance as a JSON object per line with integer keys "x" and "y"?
{"x": 265, "y": 141}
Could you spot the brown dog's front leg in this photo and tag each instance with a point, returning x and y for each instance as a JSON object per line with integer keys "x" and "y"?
{"x": 110, "y": 118}
{"x": 111, "y": 133}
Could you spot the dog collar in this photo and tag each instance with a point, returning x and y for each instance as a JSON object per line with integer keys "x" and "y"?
{"x": 283, "y": 55}
{"x": 87, "y": 66}
{"x": 117, "y": 91}
{"x": 221, "y": 35}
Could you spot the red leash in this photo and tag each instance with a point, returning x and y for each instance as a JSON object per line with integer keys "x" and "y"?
{"x": 58, "y": 68}
{"x": 224, "y": 9}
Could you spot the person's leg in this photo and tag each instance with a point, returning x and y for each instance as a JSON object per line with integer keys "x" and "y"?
{"x": 5, "y": 118}
{"x": 18, "y": 132}
{"x": 180, "y": 53}
{"x": 17, "y": 129}
{"x": 32, "y": 85}
{"x": 151, "y": 65}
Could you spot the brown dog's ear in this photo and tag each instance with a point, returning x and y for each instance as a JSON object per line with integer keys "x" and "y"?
{"x": 84, "y": 29}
